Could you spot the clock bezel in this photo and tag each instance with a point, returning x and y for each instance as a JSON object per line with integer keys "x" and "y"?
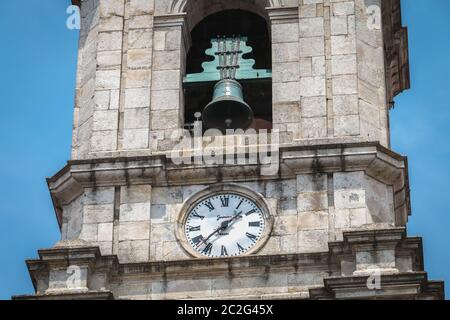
{"x": 239, "y": 190}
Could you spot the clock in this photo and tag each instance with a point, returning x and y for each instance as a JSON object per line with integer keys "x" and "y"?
{"x": 225, "y": 224}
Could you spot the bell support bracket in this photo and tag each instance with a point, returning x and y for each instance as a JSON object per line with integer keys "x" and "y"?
{"x": 228, "y": 63}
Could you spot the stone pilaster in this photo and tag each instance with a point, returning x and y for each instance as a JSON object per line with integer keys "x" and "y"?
{"x": 136, "y": 76}
{"x": 108, "y": 76}
{"x": 286, "y": 111}
{"x": 171, "y": 42}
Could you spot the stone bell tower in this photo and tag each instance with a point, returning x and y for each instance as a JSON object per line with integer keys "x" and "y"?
{"x": 321, "y": 216}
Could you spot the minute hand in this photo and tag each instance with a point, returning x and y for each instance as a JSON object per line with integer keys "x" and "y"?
{"x": 237, "y": 215}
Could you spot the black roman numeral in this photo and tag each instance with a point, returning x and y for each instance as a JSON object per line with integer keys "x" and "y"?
{"x": 239, "y": 204}
{"x": 240, "y": 247}
{"x": 194, "y": 228}
{"x": 254, "y": 224}
{"x": 208, "y": 249}
{"x": 251, "y": 236}
{"x": 250, "y": 212}
{"x": 195, "y": 214}
{"x": 225, "y": 201}
{"x": 197, "y": 240}
{"x": 209, "y": 205}
{"x": 224, "y": 251}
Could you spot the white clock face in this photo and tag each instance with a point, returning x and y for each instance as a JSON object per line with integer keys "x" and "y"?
{"x": 224, "y": 225}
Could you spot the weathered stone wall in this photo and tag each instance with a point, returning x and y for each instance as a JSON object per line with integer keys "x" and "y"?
{"x": 112, "y": 110}
{"x": 86, "y": 75}
{"x": 328, "y": 72}
{"x": 269, "y": 285}
{"x": 138, "y": 223}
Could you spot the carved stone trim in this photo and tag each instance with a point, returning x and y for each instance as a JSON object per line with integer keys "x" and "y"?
{"x": 90, "y": 295}
{"x": 396, "y": 49}
{"x": 378, "y": 162}
{"x": 178, "y": 6}
{"x": 399, "y": 286}
{"x": 283, "y": 14}
{"x": 407, "y": 283}
{"x": 177, "y": 21}
{"x": 53, "y": 264}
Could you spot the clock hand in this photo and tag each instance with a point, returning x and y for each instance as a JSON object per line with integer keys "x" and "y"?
{"x": 223, "y": 226}
{"x": 229, "y": 222}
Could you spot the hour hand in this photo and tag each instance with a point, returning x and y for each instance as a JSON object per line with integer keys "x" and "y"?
{"x": 224, "y": 225}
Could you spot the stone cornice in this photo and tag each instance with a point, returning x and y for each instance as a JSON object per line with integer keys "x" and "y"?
{"x": 283, "y": 14}
{"x": 377, "y": 240}
{"x": 407, "y": 285}
{"x": 63, "y": 257}
{"x": 169, "y": 20}
{"x": 336, "y": 284}
{"x": 396, "y": 49}
{"x": 378, "y": 162}
{"x": 235, "y": 265}
{"x": 175, "y": 20}
{"x": 91, "y": 295}
{"x": 370, "y": 157}
{"x": 355, "y": 238}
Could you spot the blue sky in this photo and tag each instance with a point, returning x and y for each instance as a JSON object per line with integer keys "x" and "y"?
{"x": 37, "y": 81}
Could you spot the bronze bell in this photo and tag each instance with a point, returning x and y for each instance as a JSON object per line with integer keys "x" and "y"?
{"x": 227, "y": 110}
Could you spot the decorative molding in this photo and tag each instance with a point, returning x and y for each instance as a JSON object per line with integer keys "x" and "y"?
{"x": 169, "y": 20}
{"x": 411, "y": 285}
{"x": 177, "y": 20}
{"x": 91, "y": 295}
{"x": 57, "y": 260}
{"x": 335, "y": 283}
{"x": 376, "y": 161}
{"x": 179, "y": 6}
{"x": 283, "y": 14}
{"x": 396, "y": 50}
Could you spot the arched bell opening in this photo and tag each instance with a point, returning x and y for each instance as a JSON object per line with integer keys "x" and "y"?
{"x": 247, "y": 34}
